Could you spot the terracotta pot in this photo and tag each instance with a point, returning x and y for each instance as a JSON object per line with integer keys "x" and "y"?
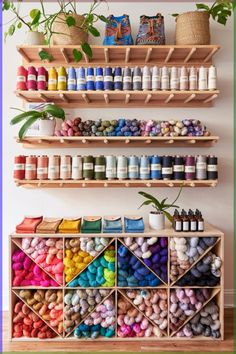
{"x": 34, "y": 38}
{"x": 68, "y": 35}
{"x": 156, "y": 221}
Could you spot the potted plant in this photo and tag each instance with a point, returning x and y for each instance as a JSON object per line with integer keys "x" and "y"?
{"x": 157, "y": 216}
{"x": 46, "y": 118}
{"x": 193, "y": 28}
{"x": 31, "y": 22}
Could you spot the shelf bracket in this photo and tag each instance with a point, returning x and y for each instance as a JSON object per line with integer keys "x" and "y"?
{"x": 65, "y": 56}
{"x": 20, "y": 95}
{"x": 208, "y": 57}
{"x": 170, "y": 184}
{"x": 171, "y": 51}
{"x": 213, "y": 97}
{"x": 64, "y": 98}
{"x": 190, "y": 54}
{"x": 24, "y": 55}
{"x": 190, "y": 98}
{"x": 127, "y": 55}
{"x": 171, "y": 141}
{"x": 148, "y": 98}
{"x": 43, "y": 97}
{"x": 192, "y": 141}
{"x": 148, "y": 185}
{"x": 127, "y": 141}
{"x": 106, "y": 55}
{"x": 106, "y": 98}
{"x": 148, "y": 55}
{"x": 148, "y": 141}
{"x": 127, "y": 98}
{"x": 106, "y": 141}
{"x": 105, "y": 185}
{"x": 127, "y": 184}
{"x": 169, "y": 98}
{"x": 83, "y": 185}
{"x": 192, "y": 184}
{"x": 85, "y": 141}
{"x": 85, "y": 98}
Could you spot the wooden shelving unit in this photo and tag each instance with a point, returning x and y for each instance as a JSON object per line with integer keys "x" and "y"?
{"x": 41, "y": 142}
{"x": 216, "y": 292}
{"x": 127, "y": 99}
{"x": 113, "y": 183}
{"x": 123, "y": 55}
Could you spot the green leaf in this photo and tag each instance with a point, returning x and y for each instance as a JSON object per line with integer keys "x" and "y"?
{"x": 147, "y": 202}
{"x": 70, "y": 21}
{"x": 23, "y": 130}
{"x": 6, "y": 5}
{"x": 19, "y": 25}
{"x": 44, "y": 55}
{"x": 94, "y": 31}
{"x": 77, "y": 55}
{"x": 168, "y": 215}
{"x": 89, "y": 18}
{"x": 33, "y": 13}
{"x": 175, "y": 15}
{"x": 87, "y": 49}
{"x": 36, "y": 18}
{"x": 103, "y": 18}
{"x": 167, "y": 206}
{"x": 54, "y": 111}
{"x": 11, "y": 30}
{"x": 5, "y": 36}
{"x": 153, "y": 199}
{"x": 202, "y": 7}
{"x": 30, "y": 114}
{"x": 163, "y": 202}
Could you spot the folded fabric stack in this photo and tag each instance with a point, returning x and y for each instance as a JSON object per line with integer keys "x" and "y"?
{"x": 70, "y": 226}
{"x": 134, "y": 224}
{"x": 112, "y": 224}
{"x": 48, "y": 226}
{"x": 91, "y": 225}
{"x": 29, "y": 225}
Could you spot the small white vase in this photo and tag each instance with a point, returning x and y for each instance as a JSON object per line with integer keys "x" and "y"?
{"x": 157, "y": 221}
{"x": 34, "y": 38}
{"x": 47, "y": 127}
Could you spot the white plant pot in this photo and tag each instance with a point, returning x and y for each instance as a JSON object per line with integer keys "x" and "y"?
{"x": 156, "y": 221}
{"x": 34, "y": 38}
{"x": 47, "y": 127}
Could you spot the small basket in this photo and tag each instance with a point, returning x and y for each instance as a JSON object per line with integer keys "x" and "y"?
{"x": 68, "y": 35}
{"x": 192, "y": 28}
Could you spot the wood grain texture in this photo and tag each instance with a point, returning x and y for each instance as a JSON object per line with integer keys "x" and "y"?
{"x": 131, "y": 346}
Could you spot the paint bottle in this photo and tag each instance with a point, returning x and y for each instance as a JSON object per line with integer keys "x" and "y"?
{"x": 110, "y": 167}
{"x": 137, "y": 79}
{"x": 100, "y": 167}
{"x": 52, "y": 79}
{"x": 19, "y": 167}
{"x": 165, "y": 81}
{"x": 32, "y": 78}
{"x": 185, "y": 221}
{"x": 193, "y": 79}
{"x": 200, "y": 222}
{"x": 77, "y": 167}
{"x": 62, "y": 79}
{"x": 81, "y": 81}
{"x": 99, "y": 84}
{"x": 31, "y": 167}
{"x": 88, "y": 167}
{"x": 54, "y": 167}
{"x": 133, "y": 167}
{"x": 122, "y": 167}
{"x": 201, "y": 167}
{"x": 174, "y": 78}
{"x": 183, "y": 84}
{"x": 118, "y": 79}
{"x": 90, "y": 79}
{"x": 178, "y": 168}
{"x": 155, "y": 167}
{"x": 41, "y": 79}
{"x": 71, "y": 82}
{"x": 65, "y": 167}
{"x": 167, "y": 167}
{"x": 156, "y": 78}
{"x": 177, "y": 221}
{"x": 202, "y": 79}
{"x": 146, "y": 82}
{"x": 127, "y": 79}
{"x": 42, "y": 167}
{"x": 192, "y": 221}
{"x": 108, "y": 79}
{"x": 212, "y": 167}
{"x": 21, "y": 78}
{"x": 190, "y": 169}
{"x": 212, "y": 77}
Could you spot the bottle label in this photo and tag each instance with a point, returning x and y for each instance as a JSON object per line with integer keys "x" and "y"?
{"x": 19, "y": 166}
{"x": 30, "y": 167}
{"x": 190, "y": 169}
{"x": 156, "y": 78}
{"x": 99, "y": 168}
{"x": 71, "y": 81}
{"x": 81, "y": 81}
{"x": 90, "y": 78}
{"x": 41, "y": 78}
{"x": 167, "y": 170}
{"x": 144, "y": 170}
{"x": 200, "y": 225}
{"x": 178, "y": 168}
{"x": 212, "y": 168}
{"x": 193, "y": 225}
{"x": 42, "y": 170}
{"x": 155, "y": 167}
{"x": 21, "y": 79}
{"x": 61, "y": 79}
{"x": 31, "y": 77}
{"x": 122, "y": 170}
{"x": 133, "y": 168}
{"x": 65, "y": 168}
{"x": 127, "y": 79}
{"x": 174, "y": 81}
{"x": 185, "y": 225}
{"x": 76, "y": 167}
{"x": 52, "y": 81}
{"x": 146, "y": 77}
{"x": 108, "y": 78}
{"x": 88, "y": 166}
{"x": 137, "y": 79}
{"x": 111, "y": 171}
{"x": 178, "y": 225}
{"x": 193, "y": 78}
{"x": 118, "y": 79}
{"x": 99, "y": 78}
{"x": 201, "y": 165}
{"x": 165, "y": 78}
{"x": 183, "y": 78}
{"x": 52, "y": 169}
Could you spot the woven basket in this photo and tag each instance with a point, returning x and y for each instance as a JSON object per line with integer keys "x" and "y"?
{"x": 68, "y": 35}
{"x": 192, "y": 28}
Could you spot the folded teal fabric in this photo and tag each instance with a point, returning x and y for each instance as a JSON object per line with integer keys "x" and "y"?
{"x": 112, "y": 225}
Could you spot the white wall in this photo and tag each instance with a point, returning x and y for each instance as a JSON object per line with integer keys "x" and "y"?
{"x": 216, "y": 204}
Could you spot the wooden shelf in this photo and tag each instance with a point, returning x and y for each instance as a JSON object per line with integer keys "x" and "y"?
{"x": 127, "y": 99}
{"x": 116, "y": 142}
{"x": 123, "y": 55}
{"x": 113, "y": 183}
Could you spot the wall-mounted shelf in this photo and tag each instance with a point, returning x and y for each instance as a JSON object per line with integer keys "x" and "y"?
{"x": 113, "y": 183}
{"x": 116, "y": 142}
{"x": 123, "y": 55}
{"x": 127, "y": 99}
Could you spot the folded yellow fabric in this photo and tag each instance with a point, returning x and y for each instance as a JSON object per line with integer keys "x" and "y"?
{"x": 70, "y": 226}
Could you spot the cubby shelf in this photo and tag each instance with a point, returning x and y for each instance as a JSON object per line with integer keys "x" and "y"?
{"x": 127, "y": 99}
{"x": 114, "y": 183}
{"x": 116, "y": 142}
{"x": 123, "y": 55}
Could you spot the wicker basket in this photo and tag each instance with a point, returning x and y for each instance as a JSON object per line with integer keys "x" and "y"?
{"x": 68, "y": 35}
{"x": 193, "y": 28}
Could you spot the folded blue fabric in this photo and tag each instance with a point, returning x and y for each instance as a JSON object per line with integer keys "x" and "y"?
{"x": 134, "y": 224}
{"x": 112, "y": 225}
